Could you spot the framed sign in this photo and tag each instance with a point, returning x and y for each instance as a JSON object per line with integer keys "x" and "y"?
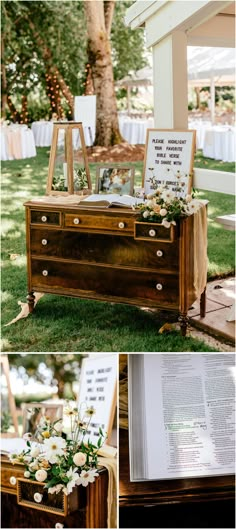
{"x": 169, "y": 157}
{"x": 98, "y": 388}
{"x": 113, "y": 178}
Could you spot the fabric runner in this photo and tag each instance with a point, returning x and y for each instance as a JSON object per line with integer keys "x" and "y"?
{"x": 111, "y": 465}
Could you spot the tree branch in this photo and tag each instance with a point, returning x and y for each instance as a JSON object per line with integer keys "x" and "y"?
{"x": 109, "y": 6}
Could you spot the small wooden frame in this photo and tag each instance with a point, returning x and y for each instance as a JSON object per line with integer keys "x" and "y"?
{"x": 54, "y": 411}
{"x": 98, "y": 388}
{"x": 114, "y": 178}
{"x": 68, "y": 163}
{"x": 168, "y": 161}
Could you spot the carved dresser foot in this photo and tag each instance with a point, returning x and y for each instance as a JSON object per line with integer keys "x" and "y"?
{"x": 183, "y": 320}
{"x": 31, "y": 300}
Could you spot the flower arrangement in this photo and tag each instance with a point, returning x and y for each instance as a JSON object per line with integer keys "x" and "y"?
{"x": 164, "y": 207}
{"x": 61, "y": 463}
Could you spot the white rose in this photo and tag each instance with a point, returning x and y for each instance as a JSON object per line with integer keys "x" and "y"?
{"x": 13, "y": 480}
{"x": 41, "y": 475}
{"x": 38, "y": 497}
{"x": 79, "y": 459}
{"x": 163, "y": 212}
{"x": 34, "y": 466}
{"x": 34, "y": 452}
{"x": 146, "y": 214}
{"x": 149, "y": 203}
{"x": 27, "y": 474}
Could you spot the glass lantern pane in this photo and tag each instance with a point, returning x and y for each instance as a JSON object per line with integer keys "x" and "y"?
{"x": 79, "y": 166}
{"x": 60, "y": 175}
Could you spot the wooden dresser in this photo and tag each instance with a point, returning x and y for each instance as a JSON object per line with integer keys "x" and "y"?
{"x": 91, "y": 502}
{"x": 105, "y": 254}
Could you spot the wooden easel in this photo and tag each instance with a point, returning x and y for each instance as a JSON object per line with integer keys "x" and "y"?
{"x": 11, "y": 400}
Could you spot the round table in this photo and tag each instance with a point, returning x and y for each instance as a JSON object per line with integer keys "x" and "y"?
{"x": 219, "y": 144}
{"x": 42, "y": 131}
{"x": 17, "y": 142}
{"x": 135, "y": 130}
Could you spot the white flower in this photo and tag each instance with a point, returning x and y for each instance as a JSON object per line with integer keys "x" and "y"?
{"x": 166, "y": 223}
{"x": 34, "y": 452}
{"x": 79, "y": 459}
{"x": 27, "y": 474}
{"x": 54, "y": 447}
{"x": 163, "y": 212}
{"x": 193, "y": 206}
{"x": 41, "y": 475}
{"x": 149, "y": 203}
{"x": 86, "y": 477}
{"x": 173, "y": 222}
{"x": 146, "y": 214}
{"x": 13, "y": 480}
{"x": 73, "y": 476}
{"x": 188, "y": 198}
{"x": 168, "y": 195}
{"x": 38, "y": 497}
{"x": 27, "y": 436}
{"x": 55, "y": 489}
{"x": 34, "y": 465}
{"x": 58, "y": 427}
{"x": 59, "y": 525}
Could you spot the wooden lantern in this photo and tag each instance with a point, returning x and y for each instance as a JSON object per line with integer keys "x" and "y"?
{"x": 68, "y": 171}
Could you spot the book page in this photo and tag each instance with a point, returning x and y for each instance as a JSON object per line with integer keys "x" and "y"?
{"x": 112, "y": 199}
{"x": 190, "y": 415}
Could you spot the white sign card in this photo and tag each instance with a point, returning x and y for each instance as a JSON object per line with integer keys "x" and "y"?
{"x": 98, "y": 386}
{"x": 169, "y": 156}
{"x": 85, "y": 110}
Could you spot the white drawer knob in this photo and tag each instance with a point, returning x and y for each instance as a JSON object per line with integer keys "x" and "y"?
{"x": 159, "y": 286}
{"x": 38, "y": 497}
{"x": 44, "y": 242}
{"x": 45, "y": 273}
{"x": 44, "y": 218}
{"x": 121, "y": 225}
{"x": 159, "y": 253}
{"x": 152, "y": 233}
{"x": 12, "y": 480}
{"x": 76, "y": 221}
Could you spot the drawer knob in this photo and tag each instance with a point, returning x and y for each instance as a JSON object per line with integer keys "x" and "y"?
{"x": 152, "y": 233}
{"x": 76, "y": 221}
{"x": 121, "y": 225}
{"x": 44, "y": 242}
{"x": 45, "y": 273}
{"x": 44, "y": 218}
{"x": 159, "y": 253}
{"x": 38, "y": 497}
{"x": 159, "y": 286}
{"x": 12, "y": 480}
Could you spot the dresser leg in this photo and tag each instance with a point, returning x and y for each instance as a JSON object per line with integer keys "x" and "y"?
{"x": 31, "y": 300}
{"x": 183, "y": 319}
{"x": 203, "y": 304}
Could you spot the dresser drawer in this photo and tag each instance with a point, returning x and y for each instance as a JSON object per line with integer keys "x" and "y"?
{"x": 52, "y": 218}
{"x": 105, "y": 282}
{"x": 107, "y": 249}
{"x": 9, "y": 476}
{"x": 52, "y": 503}
{"x": 154, "y": 232}
{"x": 115, "y": 223}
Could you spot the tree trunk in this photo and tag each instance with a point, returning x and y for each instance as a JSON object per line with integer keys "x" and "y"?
{"x": 14, "y": 113}
{"x": 99, "y": 55}
{"x": 4, "y": 81}
{"x": 47, "y": 57}
{"x": 197, "y": 92}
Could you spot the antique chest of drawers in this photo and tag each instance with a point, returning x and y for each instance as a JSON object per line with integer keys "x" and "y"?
{"x": 85, "y": 507}
{"x": 106, "y": 254}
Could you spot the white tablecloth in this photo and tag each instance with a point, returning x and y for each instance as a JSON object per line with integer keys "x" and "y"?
{"x": 42, "y": 131}
{"x": 17, "y": 142}
{"x": 135, "y": 130}
{"x": 219, "y": 144}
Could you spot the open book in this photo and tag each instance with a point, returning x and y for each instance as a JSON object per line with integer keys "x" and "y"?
{"x": 111, "y": 199}
{"x": 181, "y": 415}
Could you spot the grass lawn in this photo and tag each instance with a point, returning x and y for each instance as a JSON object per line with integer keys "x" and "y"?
{"x": 66, "y": 324}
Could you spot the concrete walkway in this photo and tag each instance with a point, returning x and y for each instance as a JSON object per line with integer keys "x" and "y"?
{"x": 221, "y": 295}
